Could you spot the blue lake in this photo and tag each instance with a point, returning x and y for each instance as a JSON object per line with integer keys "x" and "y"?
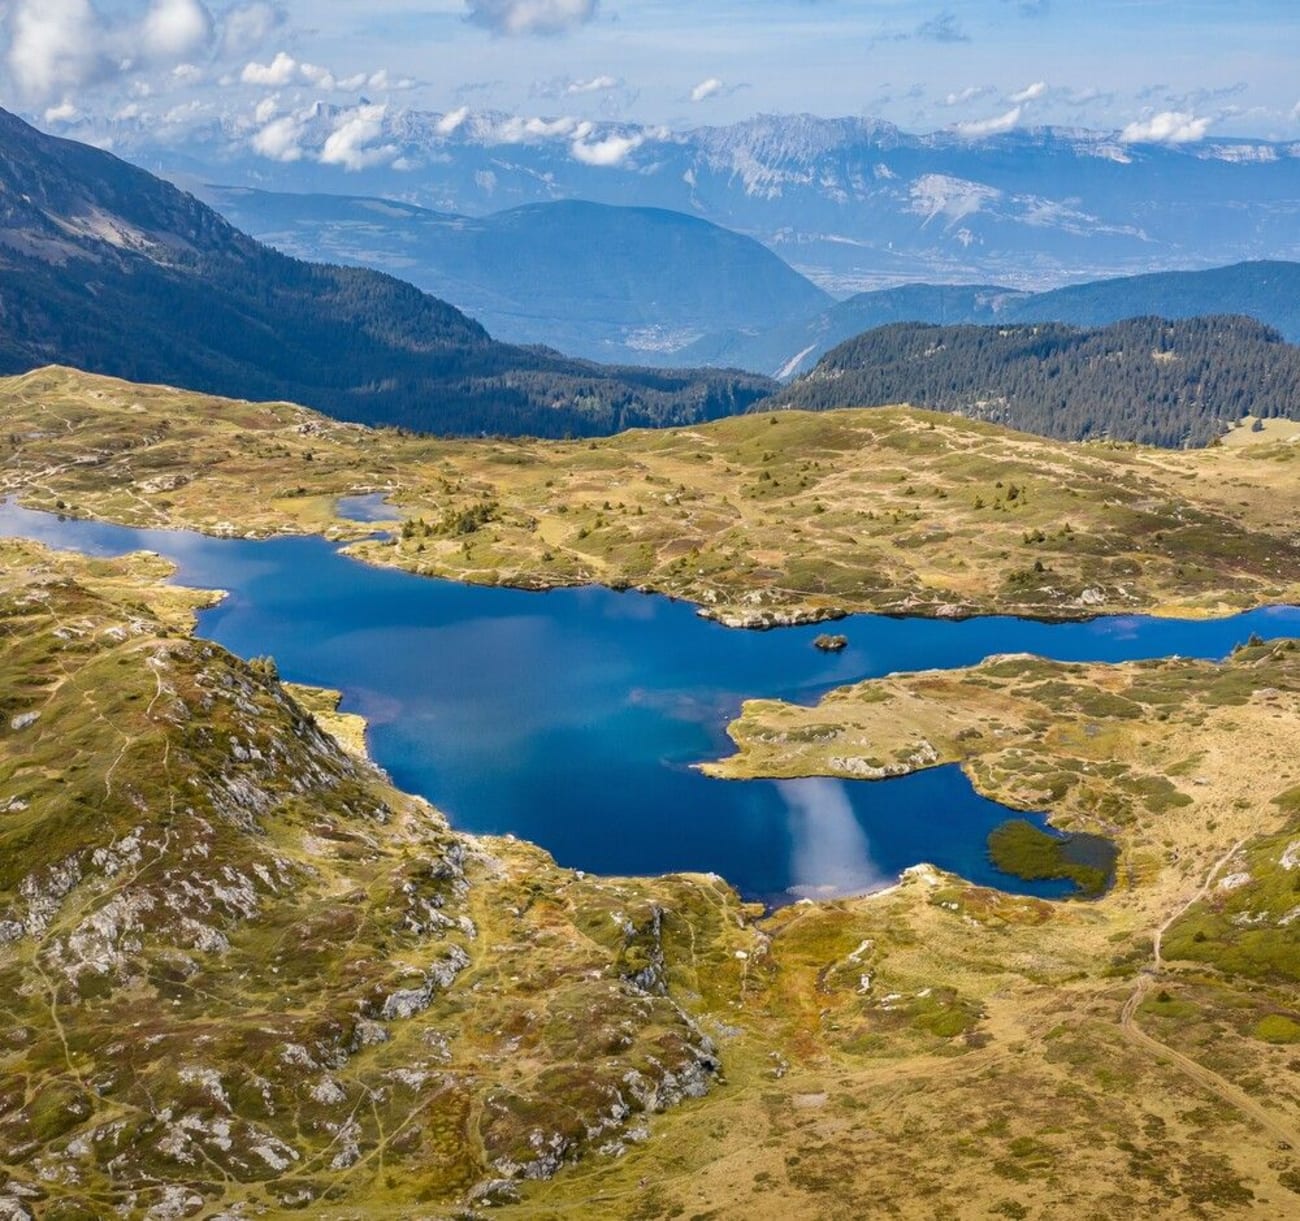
{"x": 571, "y": 718}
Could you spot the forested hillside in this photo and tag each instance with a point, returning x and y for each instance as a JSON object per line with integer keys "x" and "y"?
{"x": 1147, "y": 379}
{"x": 109, "y": 269}
{"x": 1266, "y": 290}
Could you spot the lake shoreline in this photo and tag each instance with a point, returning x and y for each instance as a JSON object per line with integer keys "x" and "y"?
{"x": 351, "y": 537}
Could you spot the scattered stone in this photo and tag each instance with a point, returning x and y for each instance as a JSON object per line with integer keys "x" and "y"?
{"x": 494, "y": 1192}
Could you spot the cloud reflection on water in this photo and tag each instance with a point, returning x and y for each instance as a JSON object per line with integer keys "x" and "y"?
{"x": 830, "y": 853}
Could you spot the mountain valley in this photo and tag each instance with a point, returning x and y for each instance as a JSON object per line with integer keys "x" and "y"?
{"x": 581, "y": 642}
{"x": 616, "y": 284}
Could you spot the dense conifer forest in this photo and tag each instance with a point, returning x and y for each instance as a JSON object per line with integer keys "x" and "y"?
{"x": 1146, "y": 379}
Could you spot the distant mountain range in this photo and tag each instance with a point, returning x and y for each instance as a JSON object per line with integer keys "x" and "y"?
{"x": 596, "y": 281}
{"x": 854, "y": 203}
{"x": 1170, "y": 383}
{"x": 1266, "y": 291}
{"x": 109, "y": 269}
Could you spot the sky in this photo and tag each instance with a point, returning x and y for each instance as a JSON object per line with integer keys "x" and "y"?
{"x": 1159, "y": 70}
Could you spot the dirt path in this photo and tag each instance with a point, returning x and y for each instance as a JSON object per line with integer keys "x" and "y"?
{"x": 1206, "y": 1078}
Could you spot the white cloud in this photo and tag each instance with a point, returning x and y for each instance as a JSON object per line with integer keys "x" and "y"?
{"x": 452, "y": 120}
{"x": 995, "y": 126}
{"x": 281, "y": 139}
{"x": 285, "y": 70}
{"x": 511, "y": 17}
{"x": 64, "y": 112}
{"x": 352, "y": 142}
{"x": 597, "y": 84}
{"x": 1030, "y": 93}
{"x": 611, "y": 151}
{"x": 322, "y": 78}
{"x": 382, "y": 82}
{"x": 519, "y": 130}
{"x": 971, "y": 93}
{"x": 173, "y": 29}
{"x": 247, "y": 27}
{"x": 60, "y": 45}
{"x": 56, "y": 45}
{"x": 707, "y": 89}
{"x": 1167, "y": 127}
{"x": 279, "y": 72}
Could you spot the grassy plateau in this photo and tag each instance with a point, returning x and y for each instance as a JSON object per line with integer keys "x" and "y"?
{"x": 759, "y": 519}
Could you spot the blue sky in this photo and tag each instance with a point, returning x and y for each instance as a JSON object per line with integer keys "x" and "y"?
{"x": 1175, "y": 69}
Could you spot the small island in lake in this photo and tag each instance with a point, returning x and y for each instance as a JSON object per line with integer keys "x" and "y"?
{"x": 831, "y": 644}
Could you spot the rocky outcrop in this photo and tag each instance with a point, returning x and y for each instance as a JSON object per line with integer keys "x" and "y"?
{"x": 925, "y": 755}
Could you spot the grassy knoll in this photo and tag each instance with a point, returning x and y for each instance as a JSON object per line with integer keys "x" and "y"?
{"x": 758, "y": 518}
{"x": 238, "y": 971}
{"x": 1184, "y": 765}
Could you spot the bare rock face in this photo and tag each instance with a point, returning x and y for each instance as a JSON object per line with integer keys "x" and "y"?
{"x": 761, "y": 619}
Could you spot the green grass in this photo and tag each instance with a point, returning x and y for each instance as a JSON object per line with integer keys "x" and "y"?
{"x": 1019, "y": 848}
{"x": 1278, "y": 1028}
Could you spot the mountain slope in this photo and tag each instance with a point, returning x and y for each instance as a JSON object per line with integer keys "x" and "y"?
{"x": 1147, "y": 379}
{"x": 1267, "y": 291}
{"x": 608, "y": 283}
{"x": 105, "y": 267}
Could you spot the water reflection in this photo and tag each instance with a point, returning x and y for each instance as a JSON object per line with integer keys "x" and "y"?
{"x": 830, "y": 852}
{"x": 371, "y": 507}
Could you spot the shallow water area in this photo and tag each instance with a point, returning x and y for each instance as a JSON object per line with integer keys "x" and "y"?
{"x": 571, "y": 718}
{"x": 367, "y": 507}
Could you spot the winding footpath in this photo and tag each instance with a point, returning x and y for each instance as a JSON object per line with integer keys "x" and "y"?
{"x": 1206, "y": 1078}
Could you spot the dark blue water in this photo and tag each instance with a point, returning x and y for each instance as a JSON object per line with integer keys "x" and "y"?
{"x": 570, "y": 718}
